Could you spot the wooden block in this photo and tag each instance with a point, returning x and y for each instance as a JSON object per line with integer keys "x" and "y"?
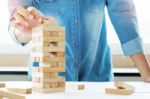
{"x": 2, "y": 84}
{"x": 48, "y": 60}
{"x": 48, "y": 69}
{"x": 40, "y": 44}
{"x": 61, "y": 84}
{"x": 52, "y": 69}
{"x": 50, "y": 21}
{"x": 45, "y": 75}
{"x": 53, "y": 34}
{"x": 45, "y": 41}
{"x": 43, "y": 30}
{"x": 52, "y": 64}
{"x": 48, "y": 38}
{"x": 22, "y": 11}
{"x": 35, "y": 69}
{"x": 53, "y": 39}
{"x": 40, "y": 54}
{"x": 53, "y": 29}
{"x": 41, "y": 85}
{"x": 61, "y": 34}
{"x": 49, "y": 90}
{"x": 81, "y": 87}
{"x": 49, "y": 49}
{"x": 39, "y": 31}
{"x": 47, "y": 54}
{"x": 49, "y": 84}
{"x": 122, "y": 85}
{"x": 36, "y": 79}
{"x": 118, "y": 91}
{"x": 11, "y": 95}
{"x": 53, "y": 85}
{"x": 1, "y": 97}
{"x": 60, "y": 54}
{"x": 53, "y": 49}
{"x": 48, "y": 80}
{"x": 20, "y": 91}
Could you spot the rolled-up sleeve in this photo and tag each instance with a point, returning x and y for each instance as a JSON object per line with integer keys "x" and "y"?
{"x": 12, "y": 5}
{"x": 123, "y": 17}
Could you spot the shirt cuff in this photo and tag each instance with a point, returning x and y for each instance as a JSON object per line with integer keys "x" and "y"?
{"x": 13, "y": 36}
{"x": 133, "y": 47}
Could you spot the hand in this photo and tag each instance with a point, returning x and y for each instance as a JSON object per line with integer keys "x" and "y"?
{"x": 26, "y": 19}
{"x": 146, "y": 76}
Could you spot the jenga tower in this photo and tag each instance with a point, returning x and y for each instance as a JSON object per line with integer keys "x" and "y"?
{"x": 48, "y": 48}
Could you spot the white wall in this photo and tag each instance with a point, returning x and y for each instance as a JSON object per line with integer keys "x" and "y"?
{"x": 7, "y": 45}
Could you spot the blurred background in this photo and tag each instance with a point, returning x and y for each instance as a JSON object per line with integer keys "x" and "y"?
{"x": 14, "y": 58}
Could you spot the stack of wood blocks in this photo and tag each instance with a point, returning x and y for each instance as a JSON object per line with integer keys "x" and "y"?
{"x": 48, "y": 48}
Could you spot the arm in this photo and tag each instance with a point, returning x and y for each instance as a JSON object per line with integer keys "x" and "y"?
{"x": 143, "y": 66}
{"x": 15, "y": 33}
{"x": 123, "y": 17}
{"x": 23, "y": 19}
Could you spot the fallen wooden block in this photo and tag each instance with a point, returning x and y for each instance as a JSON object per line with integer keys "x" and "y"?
{"x": 81, "y": 87}
{"x": 118, "y": 91}
{"x": 20, "y": 90}
{"x": 2, "y": 84}
{"x": 10, "y": 95}
{"x": 122, "y": 85}
{"x": 1, "y": 97}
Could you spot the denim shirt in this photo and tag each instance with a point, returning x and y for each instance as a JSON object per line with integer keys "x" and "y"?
{"x": 87, "y": 50}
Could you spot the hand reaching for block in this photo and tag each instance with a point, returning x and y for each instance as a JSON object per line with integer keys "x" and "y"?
{"x": 26, "y": 19}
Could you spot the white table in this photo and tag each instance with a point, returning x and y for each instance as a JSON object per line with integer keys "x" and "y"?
{"x": 93, "y": 90}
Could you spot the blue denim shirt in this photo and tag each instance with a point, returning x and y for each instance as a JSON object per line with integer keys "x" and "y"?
{"x": 87, "y": 50}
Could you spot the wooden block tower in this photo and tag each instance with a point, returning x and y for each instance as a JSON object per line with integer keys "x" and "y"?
{"x": 48, "y": 49}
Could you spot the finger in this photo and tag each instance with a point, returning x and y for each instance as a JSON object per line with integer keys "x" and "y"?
{"x": 35, "y": 13}
{"x": 19, "y": 18}
{"x": 22, "y": 28}
{"x": 50, "y": 20}
{"x": 25, "y": 13}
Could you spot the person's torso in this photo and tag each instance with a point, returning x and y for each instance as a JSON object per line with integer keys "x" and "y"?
{"x": 87, "y": 51}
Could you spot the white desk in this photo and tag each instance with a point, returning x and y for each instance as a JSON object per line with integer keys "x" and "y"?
{"x": 92, "y": 90}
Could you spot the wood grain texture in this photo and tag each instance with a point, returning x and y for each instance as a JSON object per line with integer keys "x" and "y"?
{"x": 118, "y": 91}
{"x": 20, "y": 90}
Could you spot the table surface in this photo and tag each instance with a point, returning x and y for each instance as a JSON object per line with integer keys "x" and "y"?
{"x": 94, "y": 90}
